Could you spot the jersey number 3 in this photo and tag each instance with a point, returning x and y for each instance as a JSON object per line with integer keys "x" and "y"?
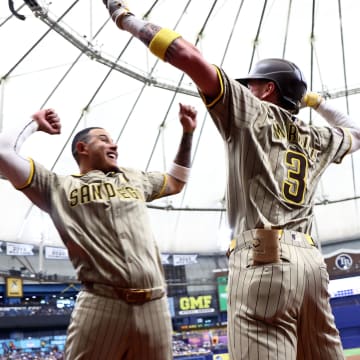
{"x": 295, "y": 183}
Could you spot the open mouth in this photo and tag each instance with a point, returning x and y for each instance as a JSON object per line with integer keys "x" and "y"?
{"x": 112, "y": 156}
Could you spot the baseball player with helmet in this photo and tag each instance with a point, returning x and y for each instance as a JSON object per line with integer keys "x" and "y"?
{"x": 278, "y": 302}
{"x": 101, "y": 216}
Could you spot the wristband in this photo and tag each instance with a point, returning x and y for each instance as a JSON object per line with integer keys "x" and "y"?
{"x": 161, "y": 41}
{"x": 179, "y": 172}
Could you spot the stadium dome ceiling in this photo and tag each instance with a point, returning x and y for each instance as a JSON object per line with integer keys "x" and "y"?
{"x": 68, "y": 55}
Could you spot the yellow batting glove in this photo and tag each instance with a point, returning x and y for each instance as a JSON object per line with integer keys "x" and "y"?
{"x": 311, "y": 99}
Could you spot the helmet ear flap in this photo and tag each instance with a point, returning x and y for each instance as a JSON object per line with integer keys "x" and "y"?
{"x": 287, "y": 76}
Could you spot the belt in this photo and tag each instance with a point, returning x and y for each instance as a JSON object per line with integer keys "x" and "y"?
{"x": 287, "y": 236}
{"x": 130, "y": 296}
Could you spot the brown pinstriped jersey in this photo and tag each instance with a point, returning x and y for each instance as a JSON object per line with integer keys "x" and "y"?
{"x": 103, "y": 221}
{"x": 274, "y": 160}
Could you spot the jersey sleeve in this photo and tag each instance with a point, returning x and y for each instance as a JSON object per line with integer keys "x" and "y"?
{"x": 342, "y": 141}
{"x": 152, "y": 183}
{"x": 235, "y": 106}
{"x": 39, "y": 186}
{"x": 158, "y": 183}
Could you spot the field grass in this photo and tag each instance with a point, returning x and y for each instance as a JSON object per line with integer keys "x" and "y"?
{"x": 352, "y": 354}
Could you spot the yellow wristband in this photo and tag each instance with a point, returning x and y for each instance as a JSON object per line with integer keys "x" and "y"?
{"x": 161, "y": 41}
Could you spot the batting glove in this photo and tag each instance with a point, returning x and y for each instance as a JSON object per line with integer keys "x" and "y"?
{"x": 117, "y": 9}
{"x": 311, "y": 99}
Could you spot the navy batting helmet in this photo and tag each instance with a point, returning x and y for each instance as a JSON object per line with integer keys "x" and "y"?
{"x": 288, "y": 78}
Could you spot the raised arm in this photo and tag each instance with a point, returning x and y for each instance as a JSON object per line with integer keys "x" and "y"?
{"x": 334, "y": 117}
{"x": 168, "y": 46}
{"x": 13, "y": 166}
{"x": 180, "y": 169}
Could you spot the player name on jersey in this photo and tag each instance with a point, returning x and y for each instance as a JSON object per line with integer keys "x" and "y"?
{"x": 103, "y": 191}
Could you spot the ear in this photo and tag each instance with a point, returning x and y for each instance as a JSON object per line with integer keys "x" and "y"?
{"x": 81, "y": 148}
{"x": 269, "y": 92}
{"x": 270, "y": 88}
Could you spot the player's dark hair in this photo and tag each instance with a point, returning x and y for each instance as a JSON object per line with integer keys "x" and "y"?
{"x": 82, "y": 135}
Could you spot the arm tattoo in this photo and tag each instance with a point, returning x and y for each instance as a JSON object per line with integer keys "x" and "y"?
{"x": 183, "y": 157}
{"x": 148, "y": 32}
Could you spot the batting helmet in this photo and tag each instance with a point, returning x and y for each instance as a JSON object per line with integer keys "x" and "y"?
{"x": 288, "y": 78}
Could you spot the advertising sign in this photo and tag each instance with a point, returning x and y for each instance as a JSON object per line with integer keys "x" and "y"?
{"x": 222, "y": 291}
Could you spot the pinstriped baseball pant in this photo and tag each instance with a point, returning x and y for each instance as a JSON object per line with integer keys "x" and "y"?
{"x": 103, "y": 328}
{"x": 280, "y": 311}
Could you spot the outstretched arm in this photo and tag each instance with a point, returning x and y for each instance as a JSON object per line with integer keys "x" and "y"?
{"x": 168, "y": 46}
{"x": 334, "y": 117}
{"x": 14, "y": 167}
{"x": 180, "y": 169}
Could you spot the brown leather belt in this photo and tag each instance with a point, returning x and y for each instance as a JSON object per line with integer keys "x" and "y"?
{"x": 131, "y": 296}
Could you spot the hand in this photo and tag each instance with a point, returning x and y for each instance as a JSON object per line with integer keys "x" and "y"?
{"x": 48, "y": 121}
{"x": 187, "y": 116}
{"x": 311, "y": 99}
{"x": 117, "y": 9}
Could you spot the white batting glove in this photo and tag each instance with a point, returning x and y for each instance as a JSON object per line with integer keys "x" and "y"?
{"x": 117, "y": 9}
{"x": 312, "y": 100}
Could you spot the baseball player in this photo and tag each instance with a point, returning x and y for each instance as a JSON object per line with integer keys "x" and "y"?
{"x": 101, "y": 216}
{"x": 278, "y": 303}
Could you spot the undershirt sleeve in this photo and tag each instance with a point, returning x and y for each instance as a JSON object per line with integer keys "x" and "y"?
{"x": 14, "y": 167}
{"x": 338, "y": 119}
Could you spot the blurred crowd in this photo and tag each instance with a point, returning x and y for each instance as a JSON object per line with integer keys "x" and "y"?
{"x": 206, "y": 342}
{"x": 53, "y": 354}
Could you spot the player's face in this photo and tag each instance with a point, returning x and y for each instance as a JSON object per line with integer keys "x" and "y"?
{"x": 102, "y": 151}
{"x": 258, "y": 88}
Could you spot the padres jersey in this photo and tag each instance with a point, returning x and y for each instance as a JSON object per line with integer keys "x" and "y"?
{"x": 274, "y": 161}
{"x": 103, "y": 221}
